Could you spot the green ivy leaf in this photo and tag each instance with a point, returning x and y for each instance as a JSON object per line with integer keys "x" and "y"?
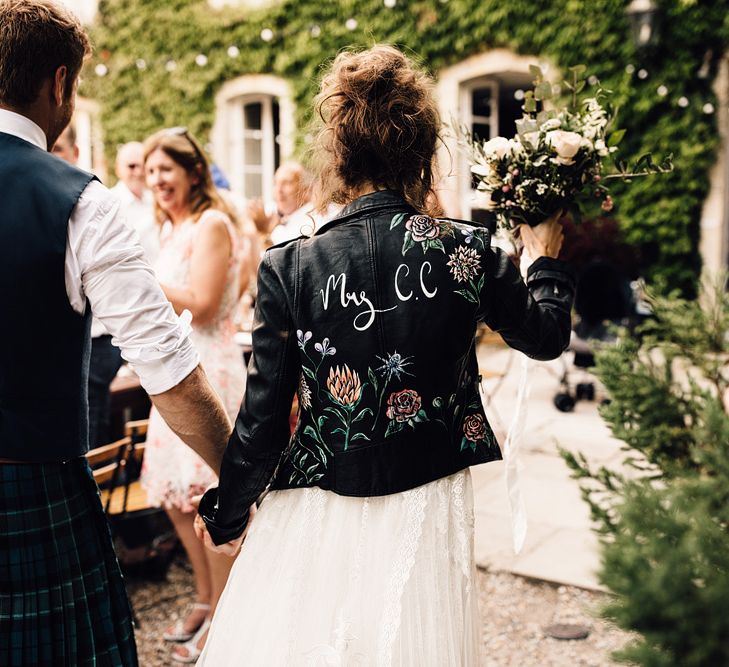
{"x": 436, "y": 244}
{"x": 309, "y": 372}
{"x": 615, "y": 138}
{"x": 359, "y": 436}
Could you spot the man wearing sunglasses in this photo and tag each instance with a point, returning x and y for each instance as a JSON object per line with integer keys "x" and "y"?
{"x": 66, "y": 252}
{"x": 136, "y": 200}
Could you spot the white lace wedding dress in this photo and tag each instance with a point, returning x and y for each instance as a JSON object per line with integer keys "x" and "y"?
{"x": 332, "y": 581}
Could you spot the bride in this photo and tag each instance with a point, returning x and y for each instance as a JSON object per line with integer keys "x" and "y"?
{"x": 362, "y": 551}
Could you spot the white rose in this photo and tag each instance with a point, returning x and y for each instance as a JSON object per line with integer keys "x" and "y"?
{"x": 497, "y": 147}
{"x": 566, "y": 144}
{"x": 601, "y": 148}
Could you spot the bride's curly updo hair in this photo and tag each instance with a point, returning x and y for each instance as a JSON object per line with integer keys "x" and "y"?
{"x": 380, "y": 127}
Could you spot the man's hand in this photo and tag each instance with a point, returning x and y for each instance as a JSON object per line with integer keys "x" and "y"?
{"x": 229, "y": 548}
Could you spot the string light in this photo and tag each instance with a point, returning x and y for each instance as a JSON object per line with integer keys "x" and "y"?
{"x": 101, "y": 70}
{"x": 390, "y": 3}
{"x": 519, "y": 94}
{"x": 170, "y": 66}
{"x": 708, "y": 108}
{"x": 233, "y": 51}
{"x": 267, "y": 34}
{"x": 642, "y": 73}
{"x": 141, "y": 64}
{"x": 683, "y": 102}
{"x": 201, "y": 60}
{"x": 592, "y": 79}
{"x": 629, "y": 69}
{"x": 351, "y": 24}
{"x": 315, "y": 31}
{"x": 662, "y": 90}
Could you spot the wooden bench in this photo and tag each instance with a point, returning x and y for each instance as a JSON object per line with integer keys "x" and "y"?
{"x": 110, "y": 463}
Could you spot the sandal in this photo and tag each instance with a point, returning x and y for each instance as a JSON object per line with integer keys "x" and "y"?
{"x": 191, "y": 646}
{"x": 178, "y": 632}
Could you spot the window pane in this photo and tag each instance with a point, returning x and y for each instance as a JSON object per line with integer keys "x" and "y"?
{"x": 252, "y": 151}
{"x": 252, "y": 116}
{"x": 481, "y": 131}
{"x": 253, "y": 185}
{"x": 481, "y": 102}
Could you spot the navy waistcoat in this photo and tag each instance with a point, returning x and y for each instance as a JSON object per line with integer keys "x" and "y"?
{"x": 44, "y": 343}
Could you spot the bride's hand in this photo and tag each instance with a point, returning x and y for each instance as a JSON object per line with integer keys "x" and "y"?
{"x": 228, "y": 548}
{"x": 544, "y": 239}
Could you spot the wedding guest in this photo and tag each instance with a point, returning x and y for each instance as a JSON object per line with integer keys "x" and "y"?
{"x": 199, "y": 266}
{"x": 137, "y": 201}
{"x": 65, "y": 253}
{"x": 293, "y": 213}
{"x": 362, "y": 552}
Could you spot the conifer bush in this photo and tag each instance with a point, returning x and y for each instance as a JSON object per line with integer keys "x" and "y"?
{"x": 664, "y": 517}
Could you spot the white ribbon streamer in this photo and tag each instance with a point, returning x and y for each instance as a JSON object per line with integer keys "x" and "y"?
{"x": 512, "y": 446}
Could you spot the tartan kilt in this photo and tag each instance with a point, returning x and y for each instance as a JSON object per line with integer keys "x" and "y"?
{"x": 62, "y": 596}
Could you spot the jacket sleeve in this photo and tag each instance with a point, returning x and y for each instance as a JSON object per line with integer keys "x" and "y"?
{"x": 533, "y": 317}
{"x": 261, "y": 430}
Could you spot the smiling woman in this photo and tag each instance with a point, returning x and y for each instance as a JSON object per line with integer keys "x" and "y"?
{"x": 199, "y": 264}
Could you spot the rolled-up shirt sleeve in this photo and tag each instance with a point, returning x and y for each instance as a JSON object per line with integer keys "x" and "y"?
{"x": 105, "y": 265}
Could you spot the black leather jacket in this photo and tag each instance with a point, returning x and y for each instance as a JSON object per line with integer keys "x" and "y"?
{"x": 372, "y": 321}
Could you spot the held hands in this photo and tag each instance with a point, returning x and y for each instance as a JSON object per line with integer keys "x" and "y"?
{"x": 229, "y": 548}
{"x": 544, "y": 239}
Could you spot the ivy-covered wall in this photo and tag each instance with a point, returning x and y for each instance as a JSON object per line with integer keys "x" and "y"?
{"x": 661, "y": 214}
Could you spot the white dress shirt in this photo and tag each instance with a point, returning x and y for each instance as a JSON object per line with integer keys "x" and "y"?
{"x": 105, "y": 264}
{"x": 139, "y": 213}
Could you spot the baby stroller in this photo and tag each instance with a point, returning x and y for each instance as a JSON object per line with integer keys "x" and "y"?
{"x": 604, "y": 298}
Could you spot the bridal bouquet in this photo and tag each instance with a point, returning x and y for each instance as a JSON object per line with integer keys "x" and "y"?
{"x": 557, "y": 158}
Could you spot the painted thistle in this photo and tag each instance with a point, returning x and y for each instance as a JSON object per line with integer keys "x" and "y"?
{"x": 464, "y": 264}
{"x": 344, "y": 385}
{"x": 394, "y": 365}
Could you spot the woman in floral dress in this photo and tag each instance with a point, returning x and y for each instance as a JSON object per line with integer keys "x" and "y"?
{"x": 198, "y": 267}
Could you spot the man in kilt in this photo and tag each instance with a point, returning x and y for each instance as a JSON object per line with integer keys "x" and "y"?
{"x": 65, "y": 251}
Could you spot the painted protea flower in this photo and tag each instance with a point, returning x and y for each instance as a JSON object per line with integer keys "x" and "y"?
{"x": 464, "y": 263}
{"x": 344, "y": 385}
{"x": 304, "y": 393}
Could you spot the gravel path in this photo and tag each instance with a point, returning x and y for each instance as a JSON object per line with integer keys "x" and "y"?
{"x": 514, "y": 612}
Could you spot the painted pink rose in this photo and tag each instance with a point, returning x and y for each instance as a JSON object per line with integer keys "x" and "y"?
{"x": 403, "y": 405}
{"x": 422, "y": 228}
{"x": 474, "y": 428}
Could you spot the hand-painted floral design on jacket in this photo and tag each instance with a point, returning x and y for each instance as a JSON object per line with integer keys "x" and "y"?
{"x": 465, "y": 263}
{"x": 343, "y": 390}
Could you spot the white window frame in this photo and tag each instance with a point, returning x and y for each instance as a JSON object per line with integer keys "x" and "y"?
{"x": 468, "y": 119}
{"x": 454, "y": 188}
{"x": 228, "y": 131}
{"x": 241, "y": 163}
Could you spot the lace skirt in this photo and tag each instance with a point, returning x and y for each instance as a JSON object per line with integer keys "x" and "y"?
{"x": 327, "y": 580}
